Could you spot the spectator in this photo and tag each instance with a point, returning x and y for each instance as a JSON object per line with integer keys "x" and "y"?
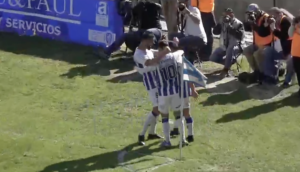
{"x": 294, "y": 32}
{"x": 232, "y": 33}
{"x": 280, "y": 50}
{"x": 148, "y": 16}
{"x": 206, "y": 8}
{"x": 194, "y": 35}
{"x": 262, "y": 37}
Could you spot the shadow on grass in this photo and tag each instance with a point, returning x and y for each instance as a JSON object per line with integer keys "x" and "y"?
{"x": 45, "y": 48}
{"x": 230, "y": 92}
{"x": 49, "y": 49}
{"x": 233, "y": 92}
{"x": 255, "y": 111}
{"x": 104, "y": 161}
{"x": 101, "y": 67}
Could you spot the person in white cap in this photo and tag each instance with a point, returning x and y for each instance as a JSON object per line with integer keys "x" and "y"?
{"x": 260, "y": 23}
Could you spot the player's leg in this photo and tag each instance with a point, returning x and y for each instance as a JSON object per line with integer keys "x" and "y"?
{"x": 176, "y": 105}
{"x": 163, "y": 108}
{"x": 152, "y": 130}
{"x": 188, "y": 119}
{"x": 175, "y": 130}
{"x": 151, "y": 118}
{"x": 190, "y": 124}
{"x": 180, "y": 126}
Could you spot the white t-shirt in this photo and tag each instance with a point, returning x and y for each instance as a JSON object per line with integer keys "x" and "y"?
{"x": 140, "y": 57}
{"x": 194, "y": 29}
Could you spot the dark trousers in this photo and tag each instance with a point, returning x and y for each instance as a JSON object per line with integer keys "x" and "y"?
{"x": 209, "y": 22}
{"x": 296, "y": 61}
{"x": 189, "y": 44}
{"x": 132, "y": 40}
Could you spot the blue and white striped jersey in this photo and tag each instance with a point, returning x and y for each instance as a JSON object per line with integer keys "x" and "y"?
{"x": 167, "y": 74}
{"x": 140, "y": 57}
{"x": 187, "y": 92}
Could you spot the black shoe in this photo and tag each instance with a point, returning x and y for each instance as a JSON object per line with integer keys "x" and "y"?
{"x": 285, "y": 85}
{"x": 270, "y": 80}
{"x": 141, "y": 140}
{"x": 190, "y": 138}
{"x": 100, "y": 52}
{"x": 154, "y": 136}
{"x": 174, "y": 132}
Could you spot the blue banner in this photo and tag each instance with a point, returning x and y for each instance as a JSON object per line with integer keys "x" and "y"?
{"x": 87, "y": 22}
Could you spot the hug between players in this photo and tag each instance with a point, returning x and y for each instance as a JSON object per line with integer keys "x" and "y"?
{"x": 191, "y": 25}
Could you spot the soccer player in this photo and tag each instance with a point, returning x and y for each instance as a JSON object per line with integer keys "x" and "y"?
{"x": 145, "y": 59}
{"x": 168, "y": 84}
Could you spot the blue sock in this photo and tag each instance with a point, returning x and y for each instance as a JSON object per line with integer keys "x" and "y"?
{"x": 166, "y": 128}
{"x": 190, "y": 125}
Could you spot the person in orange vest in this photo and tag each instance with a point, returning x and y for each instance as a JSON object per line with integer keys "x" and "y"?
{"x": 206, "y": 8}
{"x": 294, "y": 32}
{"x": 262, "y": 37}
{"x": 280, "y": 50}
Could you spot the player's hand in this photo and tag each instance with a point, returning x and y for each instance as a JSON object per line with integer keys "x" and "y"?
{"x": 195, "y": 94}
{"x": 176, "y": 40}
{"x": 163, "y": 37}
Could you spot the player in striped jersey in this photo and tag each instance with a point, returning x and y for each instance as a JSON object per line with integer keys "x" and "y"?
{"x": 145, "y": 59}
{"x": 189, "y": 90}
{"x": 168, "y": 83}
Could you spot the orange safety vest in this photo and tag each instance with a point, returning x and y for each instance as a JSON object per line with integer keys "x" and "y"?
{"x": 206, "y": 6}
{"x": 295, "y": 52}
{"x": 262, "y": 41}
{"x": 290, "y": 38}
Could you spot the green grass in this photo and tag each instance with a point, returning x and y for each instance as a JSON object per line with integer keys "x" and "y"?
{"x": 63, "y": 111}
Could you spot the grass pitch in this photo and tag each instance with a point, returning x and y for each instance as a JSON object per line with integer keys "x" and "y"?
{"x": 61, "y": 110}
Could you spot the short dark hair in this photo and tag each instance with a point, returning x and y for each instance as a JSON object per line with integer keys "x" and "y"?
{"x": 228, "y": 10}
{"x": 296, "y": 20}
{"x": 147, "y": 35}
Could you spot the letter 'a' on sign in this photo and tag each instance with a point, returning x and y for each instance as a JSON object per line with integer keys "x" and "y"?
{"x": 102, "y": 17}
{"x": 81, "y": 21}
{"x": 102, "y": 8}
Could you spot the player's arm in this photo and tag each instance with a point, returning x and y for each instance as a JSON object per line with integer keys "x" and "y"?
{"x": 157, "y": 57}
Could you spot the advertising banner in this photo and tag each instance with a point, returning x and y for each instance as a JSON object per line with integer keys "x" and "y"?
{"x": 87, "y": 22}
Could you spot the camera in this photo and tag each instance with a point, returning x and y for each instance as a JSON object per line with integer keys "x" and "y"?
{"x": 251, "y": 17}
{"x": 296, "y": 20}
{"x": 226, "y": 19}
{"x": 181, "y": 6}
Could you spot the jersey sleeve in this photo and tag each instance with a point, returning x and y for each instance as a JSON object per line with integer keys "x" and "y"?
{"x": 140, "y": 58}
{"x": 195, "y": 11}
{"x": 154, "y": 51}
{"x": 178, "y": 56}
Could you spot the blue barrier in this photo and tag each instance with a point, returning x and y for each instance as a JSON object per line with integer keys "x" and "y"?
{"x": 87, "y": 22}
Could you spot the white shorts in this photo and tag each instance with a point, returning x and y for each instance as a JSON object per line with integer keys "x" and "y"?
{"x": 153, "y": 97}
{"x": 173, "y": 102}
{"x": 186, "y": 104}
{"x": 165, "y": 103}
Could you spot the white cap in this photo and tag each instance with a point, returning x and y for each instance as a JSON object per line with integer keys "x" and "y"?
{"x": 253, "y": 8}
